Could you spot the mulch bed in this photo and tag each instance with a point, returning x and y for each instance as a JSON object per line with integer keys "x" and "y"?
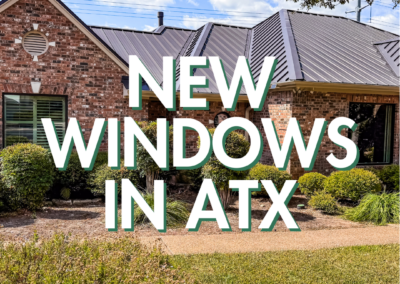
{"x": 88, "y": 222}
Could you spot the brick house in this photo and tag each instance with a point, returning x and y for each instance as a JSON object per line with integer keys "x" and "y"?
{"x": 54, "y": 65}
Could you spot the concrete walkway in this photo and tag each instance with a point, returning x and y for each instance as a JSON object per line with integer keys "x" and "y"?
{"x": 273, "y": 241}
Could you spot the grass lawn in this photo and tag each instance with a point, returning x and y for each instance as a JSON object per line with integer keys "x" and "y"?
{"x": 363, "y": 264}
{"x": 125, "y": 260}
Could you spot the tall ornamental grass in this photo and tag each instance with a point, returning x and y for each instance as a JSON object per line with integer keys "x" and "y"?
{"x": 380, "y": 209}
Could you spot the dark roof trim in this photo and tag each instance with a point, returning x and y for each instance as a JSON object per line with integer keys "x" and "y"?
{"x": 198, "y": 48}
{"x": 387, "y": 41}
{"x": 293, "y": 61}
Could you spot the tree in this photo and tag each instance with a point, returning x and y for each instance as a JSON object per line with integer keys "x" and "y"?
{"x": 236, "y": 146}
{"x": 145, "y": 164}
{"x": 331, "y": 4}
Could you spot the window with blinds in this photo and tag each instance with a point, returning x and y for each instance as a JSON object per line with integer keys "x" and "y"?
{"x": 23, "y": 116}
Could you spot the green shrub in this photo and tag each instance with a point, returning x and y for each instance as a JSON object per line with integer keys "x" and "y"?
{"x": 192, "y": 177}
{"x": 323, "y": 201}
{"x": 352, "y": 184}
{"x": 65, "y": 193}
{"x": 145, "y": 164}
{"x": 311, "y": 183}
{"x": 75, "y": 177}
{"x": 28, "y": 172}
{"x": 236, "y": 146}
{"x": 177, "y": 212}
{"x": 377, "y": 208}
{"x": 263, "y": 172}
{"x": 389, "y": 175}
{"x": 98, "y": 177}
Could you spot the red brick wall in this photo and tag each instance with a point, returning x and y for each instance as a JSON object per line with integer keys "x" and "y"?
{"x": 75, "y": 67}
{"x": 306, "y": 107}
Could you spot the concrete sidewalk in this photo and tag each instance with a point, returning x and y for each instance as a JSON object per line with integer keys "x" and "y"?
{"x": 273, "y": 241}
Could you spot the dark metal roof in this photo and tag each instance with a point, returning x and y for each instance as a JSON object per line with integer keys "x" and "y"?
{"x": 150, "y": 47}
{"x": 227, "y": 42}
{"x": 390, "y": 50}
{"x": 309, "y": 47}
{"x": 339, "y": 50}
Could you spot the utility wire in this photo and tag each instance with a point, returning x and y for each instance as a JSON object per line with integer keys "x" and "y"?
{"x": 179, "y": 12}
{"x": 174, "y": 7}
{"x": 167, "y": 18}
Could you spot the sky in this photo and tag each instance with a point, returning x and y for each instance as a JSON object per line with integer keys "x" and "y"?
{"x": 192, "y": 14}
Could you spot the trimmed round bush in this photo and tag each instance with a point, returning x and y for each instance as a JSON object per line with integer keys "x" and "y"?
{"x": 28, "y": 172}
{"x": 263, "y": 172}
{"x": 97, "y": 178}
{"x": 311, "y": 183}
{"x": 352, "y": 184}
{"x": 323, "y": 201}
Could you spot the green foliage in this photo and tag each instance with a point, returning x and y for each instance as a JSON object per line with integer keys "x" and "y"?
{"x": 75, "y": 177}
{"x": 236, "y": 146}
{"x": 11, "y": 140}
{"x": 389, "y": 175}
{"x": 65, "y": 260}
{"x": 357, "y": 264}
{"x": 65, "y": 193}
{"x": 352, "y": 184}
{"x": 145, "y": 162}
{"x": 177, "y": 212}
{"x": 98, "y": 177}
{"x": 28, "y": 172}
{"x": 377, "y": 208}
{"x": 323, "y": 201}
{"x": 194, "y": 178}
{"x": 311, "y": 183}
{"x": 263, "y": 172}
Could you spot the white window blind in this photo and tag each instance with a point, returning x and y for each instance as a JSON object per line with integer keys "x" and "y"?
{"x": 23, "y": 116}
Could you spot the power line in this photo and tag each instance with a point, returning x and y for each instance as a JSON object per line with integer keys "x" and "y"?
{"x": 178, "y": 12}
{"x": 167, "y": 18}
{"x": 175, "y": 7}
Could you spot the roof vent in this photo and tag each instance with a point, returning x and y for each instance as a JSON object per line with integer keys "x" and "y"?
{"x": 35, "y": 43}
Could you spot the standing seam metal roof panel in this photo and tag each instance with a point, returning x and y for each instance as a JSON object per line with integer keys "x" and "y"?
{"x": 339, "y": 50}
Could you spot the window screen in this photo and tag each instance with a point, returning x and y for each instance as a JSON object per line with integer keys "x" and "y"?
{"x": 374, "y": 134}
{"x": 23, "y": 116}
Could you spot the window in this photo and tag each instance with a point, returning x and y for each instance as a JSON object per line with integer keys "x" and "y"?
{"x": 374, "y": 134}
{"x": 23, "y": 114}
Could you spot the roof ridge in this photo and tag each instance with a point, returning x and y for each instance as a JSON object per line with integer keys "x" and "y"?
{"x": 294, "y": 66}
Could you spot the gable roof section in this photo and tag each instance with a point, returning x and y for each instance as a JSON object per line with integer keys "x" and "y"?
{"x": 227, "y": 42}
{"x": 390, "y": 50}
{"x": 339, "y": 50}
{"x": 150, "y": 47}
{"x": 82, "y": 27}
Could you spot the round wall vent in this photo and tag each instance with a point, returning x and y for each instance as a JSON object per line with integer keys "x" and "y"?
{"x": 35, "y": 43}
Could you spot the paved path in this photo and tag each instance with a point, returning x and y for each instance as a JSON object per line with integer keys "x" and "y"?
{"x": 272, "y": 241}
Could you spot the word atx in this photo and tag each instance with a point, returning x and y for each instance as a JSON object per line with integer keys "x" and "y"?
{"x": 207, "y": 193}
